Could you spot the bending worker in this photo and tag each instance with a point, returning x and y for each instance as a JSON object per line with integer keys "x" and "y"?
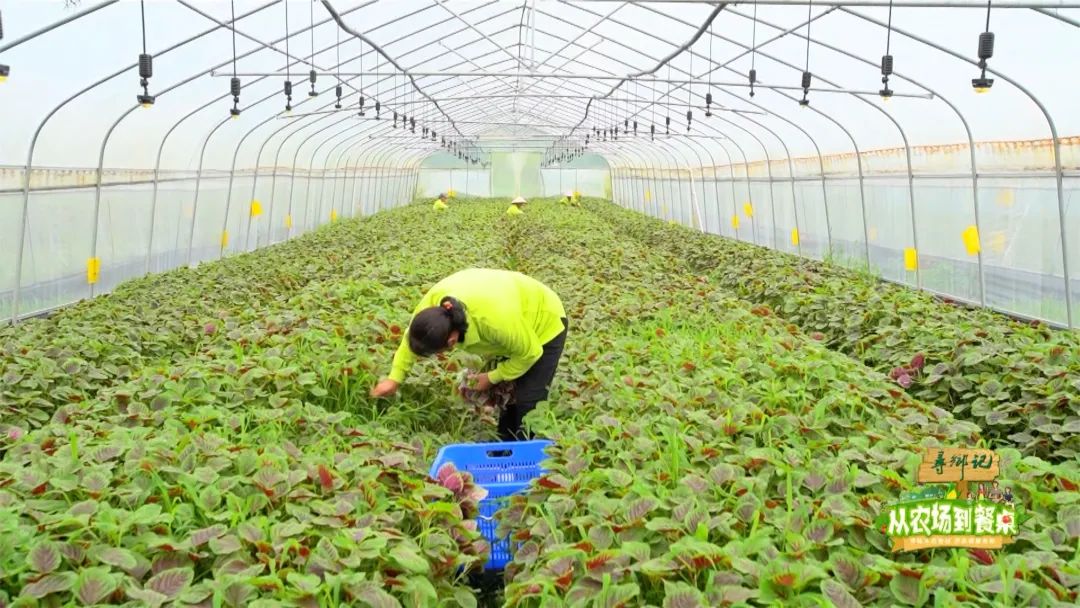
{"x": 498, "y": 314}
{"x": 516, "y": 206}
{"x": 440, "y": 203}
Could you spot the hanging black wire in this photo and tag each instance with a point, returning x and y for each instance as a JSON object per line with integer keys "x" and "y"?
{"x": 363, "y": 54}
{"x": 690, "y": 92}
{"x": 311, "y": 60}
{"x": 753, "y": 52}
{"x": 234, "y": 83}
{"x": 146, "y": 64}
{"x": 708, "y": 90}
{"x": 667, "y": 113}
{"x": 982, "y": 84}
{"x": 887, "y": 59}
{"x": 288, "y": 62}
{"x": 806, "y": 77}
{"x": 337, "y": 89}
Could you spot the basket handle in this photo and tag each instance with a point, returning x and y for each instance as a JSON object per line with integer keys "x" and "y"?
{"x": 500, "y": 453}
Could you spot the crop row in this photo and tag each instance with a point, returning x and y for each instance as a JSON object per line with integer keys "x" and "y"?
{"x": 243, "y": 463}
{"x": 709, "y": 453}
{"x": 226, "y": 451}
{"x": 1019, "y": 381}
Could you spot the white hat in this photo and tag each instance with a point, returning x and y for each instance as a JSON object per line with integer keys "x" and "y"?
{"x": 518, "y": 201}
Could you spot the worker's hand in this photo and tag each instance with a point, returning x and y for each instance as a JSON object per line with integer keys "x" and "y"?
{"x": 384, "y": 388}
{"x": 481, "y": 382}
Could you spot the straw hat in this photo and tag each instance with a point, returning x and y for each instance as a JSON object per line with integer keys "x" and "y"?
{"x": 519, "y": 201}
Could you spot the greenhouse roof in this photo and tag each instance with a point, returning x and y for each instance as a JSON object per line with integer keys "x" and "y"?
{"x": 536, "y": 74}
{"x": 880, "y": 112}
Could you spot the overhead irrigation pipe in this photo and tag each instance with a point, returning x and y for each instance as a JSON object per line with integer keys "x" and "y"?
{"x": 813, "y": 108}
{"x": 41, "y": 125}
{"x": 1053, "y": 135}
{"x": 860, "y": 97}
{"x": 384, "y": 77}
{"x": 678, "y": 81}
{"x": 378, "y": 49}
{"x": 977, "y": 4}
{"x": 701, "y": 30}
{"x": 56, "y": 24}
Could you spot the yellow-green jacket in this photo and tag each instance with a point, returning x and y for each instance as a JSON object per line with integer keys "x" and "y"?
{"x": 439, "y": 205}
{"x": 508, "y": 313}
{"x": 514, "y": 210}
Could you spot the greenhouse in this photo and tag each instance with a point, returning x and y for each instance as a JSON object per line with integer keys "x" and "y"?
{"x": 530, "y": 303}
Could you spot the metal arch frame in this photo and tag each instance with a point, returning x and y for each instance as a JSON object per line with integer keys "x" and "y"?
{"x": 944, "y": 99}
{"x": 677, "y": 148}
{"x": 900, "y": 129}
{"x": 663, "y": 95}
{"x": 619, "y": 61}
{"x": 389, "y": 76}
{"x": 198, "y": 181}
{"x": 858, "y": 154}
{"x": 41, "y": 125}
{"x": 181, "y": 83}
{"x": 231, "y": 173}
{"x": 1059, "y": 174}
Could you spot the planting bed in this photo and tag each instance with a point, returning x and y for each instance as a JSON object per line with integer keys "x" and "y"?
{"x": 724, "y": 435}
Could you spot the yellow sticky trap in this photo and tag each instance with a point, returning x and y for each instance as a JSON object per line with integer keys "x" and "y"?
{"x": 93, "y": 270}
{"x": 451, "y": 194}
{"x": 224, "y": 239}
{"x": 748, "y": 209}
{"x": 333, "y": 215}
{"x": 648, "y": 195}
{"x": 911, "y": 259}
{"x": 997, "y": 241}
{"x": 872, "y": 234}
{"x": 735, "y": 221}
{"x": 288, "y": 221}
{"x": 795, "y": 237}
{"x": 1006, "y": 198}
{"x": 971, "y": 240}
{"x": 256, "y": 208}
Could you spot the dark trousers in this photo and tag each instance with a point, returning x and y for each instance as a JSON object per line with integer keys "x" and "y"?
{"x": 531, "y": 388}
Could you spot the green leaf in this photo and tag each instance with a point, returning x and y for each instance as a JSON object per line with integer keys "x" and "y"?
{"x": 409, "y": 559}
{"x": 115, "y": 556}
{"x": 44, "y": 557}
{"x": 617, "y": 596}
{"x": 307, "y": 583}
{"x": 50, "y": 583}
{"x": 204, "y": 535}
{"x": 908, "y": 590}
{"x": 94, "y": 584}
{"x": 838, "y": 594}
{"x": 681, "y": 595}
{"x": 464, "y": 598}
{"x": 147, "y": 597}
{"x": 374, "y": 597}
{"x": 225, "y": 544}
{"x": 172, "y": 582}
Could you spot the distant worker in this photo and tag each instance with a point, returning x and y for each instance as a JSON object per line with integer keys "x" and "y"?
{"x": 440, "y": 203}
{"x": 565, "y": 200}
{"x": 497, "y": 314}
{"x": 515, "y": 206}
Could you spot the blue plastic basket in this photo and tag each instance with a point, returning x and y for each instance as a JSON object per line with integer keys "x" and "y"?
{"x": 503, "y": 469}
